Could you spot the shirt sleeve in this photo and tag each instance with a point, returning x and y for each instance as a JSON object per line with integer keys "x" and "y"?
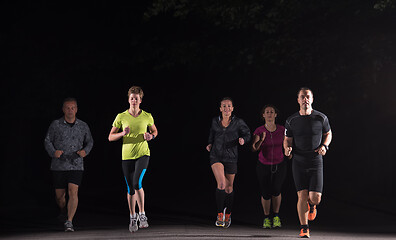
{"x": 88, "y": 141}
{"x": 258, "y": 131}
{"x": 117, "y": 122}
{"x": 211, "y": 133}
{"x": 288, "y": 130}
{"x": 150, "y": 121}
{"x": 282, "y": 128}
{"x": 326, "y": 125}
{"x": 244, "y": 131}
{"x": 49, "y": 140}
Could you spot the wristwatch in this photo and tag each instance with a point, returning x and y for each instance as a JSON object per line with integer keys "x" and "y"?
{"x": 327, "y": 147}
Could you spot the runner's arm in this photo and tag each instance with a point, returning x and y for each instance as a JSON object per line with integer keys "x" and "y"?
{"x": 287, "y": 145}
{"x": 257, "y": 141}
{"x": 114, "y": 135}
{"x": 153, "y": 130}
{"x": 327, "y": 137}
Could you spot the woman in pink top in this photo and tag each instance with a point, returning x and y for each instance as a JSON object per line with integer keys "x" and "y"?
{"x": 271, "y": 167}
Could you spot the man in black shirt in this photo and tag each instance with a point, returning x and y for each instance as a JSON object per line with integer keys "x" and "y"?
{"x": 308, "y": 136}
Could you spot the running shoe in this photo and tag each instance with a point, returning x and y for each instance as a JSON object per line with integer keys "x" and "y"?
{"x": 267, "y": 223}
{"x": 311, "y": 212}
{"x": 276, "y": 222}
{"x": 220, "y": 220}
{"x": 304, "y": 233}
{"x": 227, "y": 220}
{"x": 133, "y": 225}
{"x": 143, "y": 223}
{"x": 69, "y": 226}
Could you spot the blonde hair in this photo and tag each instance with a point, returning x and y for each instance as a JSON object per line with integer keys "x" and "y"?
{"x": 136, "y": 90}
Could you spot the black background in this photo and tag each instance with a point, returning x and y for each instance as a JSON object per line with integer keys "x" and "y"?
{"x": 344, "y": 51}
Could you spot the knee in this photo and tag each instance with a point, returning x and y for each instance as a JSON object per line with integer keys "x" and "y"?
{"x": 138, "y": 183}
{"x": 229, "y": 189}
{"x": 60, "y": 198}
{"x": 303, "y": 195}
{"x": 266, "y": 197}
{"x": 73, "y": 193}
{"x": 276, "y": 194}
{"x": 315, "y": 199}
{"x": 315, "y": 202}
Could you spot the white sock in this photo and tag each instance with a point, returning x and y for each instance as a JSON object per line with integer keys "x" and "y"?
{"x": 133, "y": 216}
{"x": 142, "y": 213}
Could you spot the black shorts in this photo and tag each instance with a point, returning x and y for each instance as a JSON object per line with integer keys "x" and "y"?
{"x": 134, "y": 170}
{"x": 308, "y": 176}
{"x": 271, "y": 178}
{"x": 229, "y": 167}
{"x": 63, "y": 178}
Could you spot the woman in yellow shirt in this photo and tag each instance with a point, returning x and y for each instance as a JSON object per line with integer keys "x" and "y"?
{"x": 134, "y": 124}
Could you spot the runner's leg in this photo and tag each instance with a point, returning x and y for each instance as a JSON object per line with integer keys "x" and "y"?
{"x": 229, "y": 200}
{"x": 73, "y": 201}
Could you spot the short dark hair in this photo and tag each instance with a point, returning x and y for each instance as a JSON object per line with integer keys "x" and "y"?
{"x": 227, "y": 99}
{"x": 69, "y": 99}
{"x": 304, "y": 89}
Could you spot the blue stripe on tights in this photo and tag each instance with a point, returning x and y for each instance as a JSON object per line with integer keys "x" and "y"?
{"x": 141, "y": 178}
{"x": 129, "y": 192}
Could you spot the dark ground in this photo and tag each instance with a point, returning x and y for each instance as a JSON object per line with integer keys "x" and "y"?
{"x": 335, "y": 220}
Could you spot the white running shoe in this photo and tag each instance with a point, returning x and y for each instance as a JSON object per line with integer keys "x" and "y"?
{"x": 133, "y": 226}
{"x": 143, "y": 223}
{"x": 69, "y": 226}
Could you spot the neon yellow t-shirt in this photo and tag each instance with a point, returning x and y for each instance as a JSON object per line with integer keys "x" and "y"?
{"x": 133, "y": 144}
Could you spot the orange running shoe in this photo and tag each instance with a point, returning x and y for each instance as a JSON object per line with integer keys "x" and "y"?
{"x": 311, "y": 212}
{"x": 227, "y": 220}
{"x": 220, "y": 220}
{"x": 304, "y": 233}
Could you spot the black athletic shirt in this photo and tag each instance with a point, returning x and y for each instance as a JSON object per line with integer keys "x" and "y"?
{"x": 307, "y": 132}
{"x": 225, "y": 140}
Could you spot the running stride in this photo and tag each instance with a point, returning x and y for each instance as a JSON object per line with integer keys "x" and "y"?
{"x": 271, "y": 167}
{"x": 226, "y": 133}
{"x": 135, "y": 152}
{"x": 308, "y": 136}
